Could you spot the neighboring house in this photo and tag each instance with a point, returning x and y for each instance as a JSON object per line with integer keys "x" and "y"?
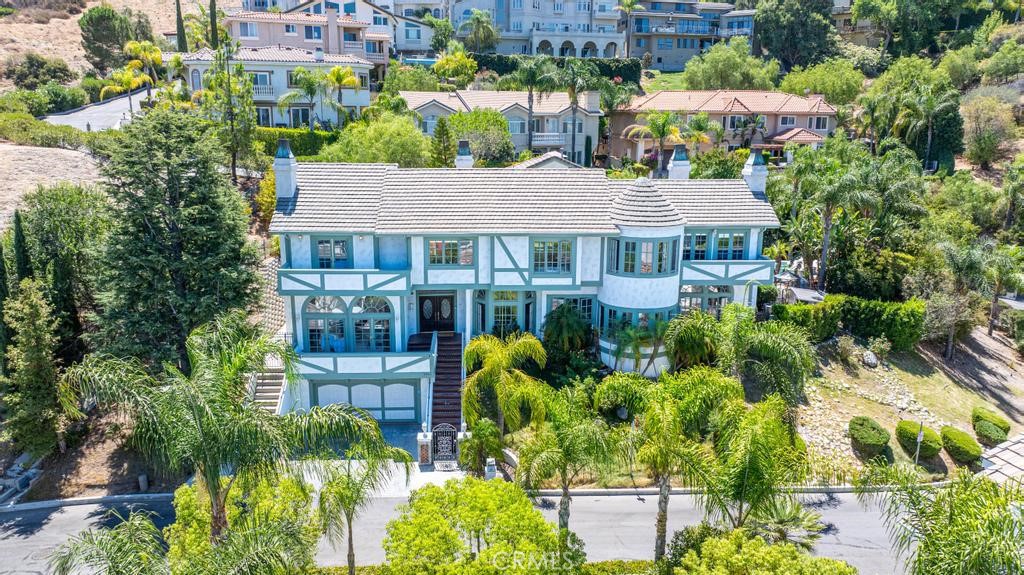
{"x": 674, "y": 32}
{"x": 786, "y": 118}
{"x": 582, "y": 28}
{"x": 552, "y": 116}
{"x": 271, "y": 70}
{"x": 553, "y": 160}
{"x": 387, "y": 273}
{"x": 351, "y": 34}
{"x": 409, "y": 35}
{"x": 862, "y": 32}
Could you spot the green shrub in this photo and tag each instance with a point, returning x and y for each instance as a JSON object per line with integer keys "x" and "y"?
{"x": 93, "y": 86}
{"x": 906, "y": 435}
{"x": 767, "y": 294}
{"x": 690, "y": 538}
{"x": 820, "y": 320}
{"x": 25, "y": 130}
{"x": 626, "y": 68}
{"x": 25, "y": 101}
{"x": 988, "y": 434}
{"x": 32, "y": 71}
{"x": 880, "y": 346}
{"x": 303, "y": 142}
{"x": 867, "y": 436}
{"x": 902, "y": 323}
{"x": 617, "y": 568}
{"x": 845, "y": 348}
{"x": 984, "y": 414}
{"x": 960, "y": 445}
{"x": 61, "y": 98}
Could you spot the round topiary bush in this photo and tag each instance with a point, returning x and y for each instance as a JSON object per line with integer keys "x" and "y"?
{"x": 988, "y": 434}
{"x": 906, "y": 435}
{"x": 983, "y": 414}
{"x": 960, "y": 445}
{"x": 867, "y": 436}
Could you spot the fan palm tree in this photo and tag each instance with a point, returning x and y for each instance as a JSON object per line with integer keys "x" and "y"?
{"x": 577, "y": 76}
{"x": 784, "y": 520}
{"x": 536, "y": 75}
{"x": 692, "y": 339}
{"x": 127, "y": 79}
{"x": 349, "y": 487}
{"x": 481, "y": 35}
{"x": 205, "y": 421}
{"x": 749, "y": 128}
{"x": 498, "y": 365}
{"x": 778, "y": 251}
{"x": 662, "y": 127}
{"x": 309, "y": 84}
{"x": 627, "y": 7}
{"x": 149, "y": 56}
{"x": 920, "y": 110}
{"x": 337, "y": 79}
{"x": 1002, "y": 273}
{"x": 696, "y": 130}
{"x": 573, "y": 442}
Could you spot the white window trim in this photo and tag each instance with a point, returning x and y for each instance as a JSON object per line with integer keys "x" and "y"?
{"x": 243, "y": 27}
{"x": 294, "y": 32}
{"x": 791, "y": 124}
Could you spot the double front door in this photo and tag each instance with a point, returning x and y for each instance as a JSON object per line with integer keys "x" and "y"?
{"x": 437, "y": 312}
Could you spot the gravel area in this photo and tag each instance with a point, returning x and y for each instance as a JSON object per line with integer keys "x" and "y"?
{"x": 23, "y": 168}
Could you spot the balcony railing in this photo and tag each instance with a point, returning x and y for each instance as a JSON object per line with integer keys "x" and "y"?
{"x": 548, "y": 139}
{"x": 354, "y": 48}
{"x": 262, "y": 90}
{"x": 729, "y": 32}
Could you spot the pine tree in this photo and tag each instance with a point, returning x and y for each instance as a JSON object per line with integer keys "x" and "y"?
{"x": 22, "y": 263}
{"x": 214, "y": 30}
{"x": 442, "y": 154}
{"x": 177, "y": 255}
{"x": 179, "y": 30}
{"x": 31, "y": 404}
{"x": 65, "y": 310}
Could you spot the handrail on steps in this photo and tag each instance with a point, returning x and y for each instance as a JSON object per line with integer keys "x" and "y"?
{"x": 428, "y": 416}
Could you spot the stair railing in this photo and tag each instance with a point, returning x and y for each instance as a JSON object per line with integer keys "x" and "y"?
{"x": 429, "y": 415}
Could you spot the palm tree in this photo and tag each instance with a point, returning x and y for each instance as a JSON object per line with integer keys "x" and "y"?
{"x": 349, "y": 487}
{"x": 966, "y": 264}
{"x": 717, "y": 133}
{"x": 805, "y": 232}
{"x": 692, "y": 339}
{"x": 308, "y": 85}
{"x": 126, "y": 79}
{"x": 662, "y": 127}
{"x": 920, "y": 111}
{"x": 484, "y": 442}
{"x": 481, "y": 35}
{"x": 784, "y": 520}
{"x": 536, "y": 75}
{"x": 627, "y": 7}
{"x": 499, "y": 371}
{"x": 205, "y": 421}
{"x": 695, "y": 132}
{"x": 778, "y": 251}
{"x": 574, "y": 441}
{"x": 616, "y": 95}
{"x": 337, "y": 79}
{"x": 388, "y": 104}
{"x": 577, "y": 76}
{"x": 566, "y": 329}
{"x": 629, "y": 340}
{"x": 749, "y": 128}
{"x": 1003, "y": 273}
{"x": 148, "y": 55}
{"x": 803, "y": 166}
{"x": 655, "y": 335}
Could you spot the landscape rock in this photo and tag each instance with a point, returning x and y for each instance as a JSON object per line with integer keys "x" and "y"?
{"x": 870, "y": 359}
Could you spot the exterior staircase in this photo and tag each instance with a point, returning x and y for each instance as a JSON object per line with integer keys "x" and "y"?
{"x": 267, "y": 387}
{"x": 446, "y": 404}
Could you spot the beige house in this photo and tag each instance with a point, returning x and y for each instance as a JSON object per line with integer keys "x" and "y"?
{"x": 783, "y": 118}
{"x": 673, "y": 32}
{"x": 552, "y": 116}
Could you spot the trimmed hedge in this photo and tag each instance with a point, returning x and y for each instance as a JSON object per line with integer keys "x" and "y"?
{"x": 960, "y": 445}
{"x": 984, "y": 414}
{"x": 303, "y": 142}
{"x": 596, "y": 568}
{"x": 906, "y": 435}
{"x": 628, "y": 69}
{"x": 902, "y": 323}
{"x": 988, "y": 433}
{"x": 868, "y": 436}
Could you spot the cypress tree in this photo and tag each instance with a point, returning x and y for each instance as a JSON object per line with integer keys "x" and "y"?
{"x": 180, "y": 27}
{"x": 4, "y": 293}
{"x": 444, "y": 147}
{"x": 214, "y": 36}
{"x": 62, "y": 299}
{"x": 22, "y": 263}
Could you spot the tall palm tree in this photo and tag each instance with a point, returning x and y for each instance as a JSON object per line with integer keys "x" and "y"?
{"x": 337, "y": 79}
{"x": 149, "y": 55}
{"x": 627, "y": 7}
{"x": 127, "y": 79}
{"x": 920, "y": 110}
{"x": 481, "y": 34}
{"x": 749, "y": 128}
{"x": 498, "y": 365}
{"x": 1002, "y": 272}
{"x": 536, "y": 75}
{"x": 778, "y": 251}
{"x": 205, "y": 421}
{"x": 695, "y": 132}
{"x": 574, "y": 441}
{"x": 309, "y": 84}
{"x": 803, "y": 166}
{"x": 966, "y": 265}
{"x": 616, "y": 95}
{"x": 662, "y": 127}
{"x": 577, "y": 76}
{"x": 349, "y": 487}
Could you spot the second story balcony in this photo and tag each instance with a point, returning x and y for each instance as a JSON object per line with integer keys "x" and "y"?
{"x": 342, "y": 281}
{"x": 262, "y": 90}
{"x": 548, "y": 139}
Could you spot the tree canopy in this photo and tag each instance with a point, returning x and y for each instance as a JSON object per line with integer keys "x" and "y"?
{"x": 730, "y": 66}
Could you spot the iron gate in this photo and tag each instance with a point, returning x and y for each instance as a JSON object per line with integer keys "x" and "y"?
{"x": 445, "y": 446}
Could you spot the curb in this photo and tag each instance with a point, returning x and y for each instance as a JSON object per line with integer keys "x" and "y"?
{"x": 73, "y": 501}
{"x": 691, "y": 491}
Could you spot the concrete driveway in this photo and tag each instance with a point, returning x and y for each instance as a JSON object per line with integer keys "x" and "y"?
{"x": 105, "y": 115}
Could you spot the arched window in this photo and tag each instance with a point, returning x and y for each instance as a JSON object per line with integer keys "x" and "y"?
{"x": 371, "y": 321}
{"x": 325, "y": 324}
{"x": 197, "y": 80}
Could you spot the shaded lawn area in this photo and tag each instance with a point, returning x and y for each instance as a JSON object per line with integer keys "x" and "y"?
{"x": 664, "y": 81}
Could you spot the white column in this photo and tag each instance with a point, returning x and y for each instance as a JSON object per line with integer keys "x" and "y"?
{"x": 469, "y": 317}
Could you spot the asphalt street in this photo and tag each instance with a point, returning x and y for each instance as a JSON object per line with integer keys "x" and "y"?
{"x": 613, "y": 527}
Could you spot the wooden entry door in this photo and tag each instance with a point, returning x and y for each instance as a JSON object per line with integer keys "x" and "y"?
{"x": 437, "y": 312}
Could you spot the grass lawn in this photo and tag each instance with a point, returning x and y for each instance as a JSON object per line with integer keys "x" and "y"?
{"x": 664, "y": 81}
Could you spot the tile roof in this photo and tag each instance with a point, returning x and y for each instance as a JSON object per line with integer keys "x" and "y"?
{"x": 554, "y": 158}
{"x": 722, "y": 101}
{"x": 1004, "y": 461}
{"x": 797, "y": 135}
{"x": 385, "y": 199}
{"x": 290, "y": 18}
{"x": 466, "y": 100}
{"x": 276, "y": 54}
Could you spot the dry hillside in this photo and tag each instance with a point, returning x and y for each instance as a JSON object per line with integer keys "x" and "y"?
{"x": 62, "y": 38}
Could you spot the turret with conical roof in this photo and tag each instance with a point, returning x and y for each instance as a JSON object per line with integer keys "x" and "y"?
{"x": 641, "y": 205}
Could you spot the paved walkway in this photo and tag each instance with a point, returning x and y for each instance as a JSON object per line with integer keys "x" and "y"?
{"x": 613, "y": 527}
{"x": 109, "y": 114}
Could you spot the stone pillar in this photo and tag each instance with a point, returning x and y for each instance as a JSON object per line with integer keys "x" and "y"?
{"x": 423, "y": 441}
